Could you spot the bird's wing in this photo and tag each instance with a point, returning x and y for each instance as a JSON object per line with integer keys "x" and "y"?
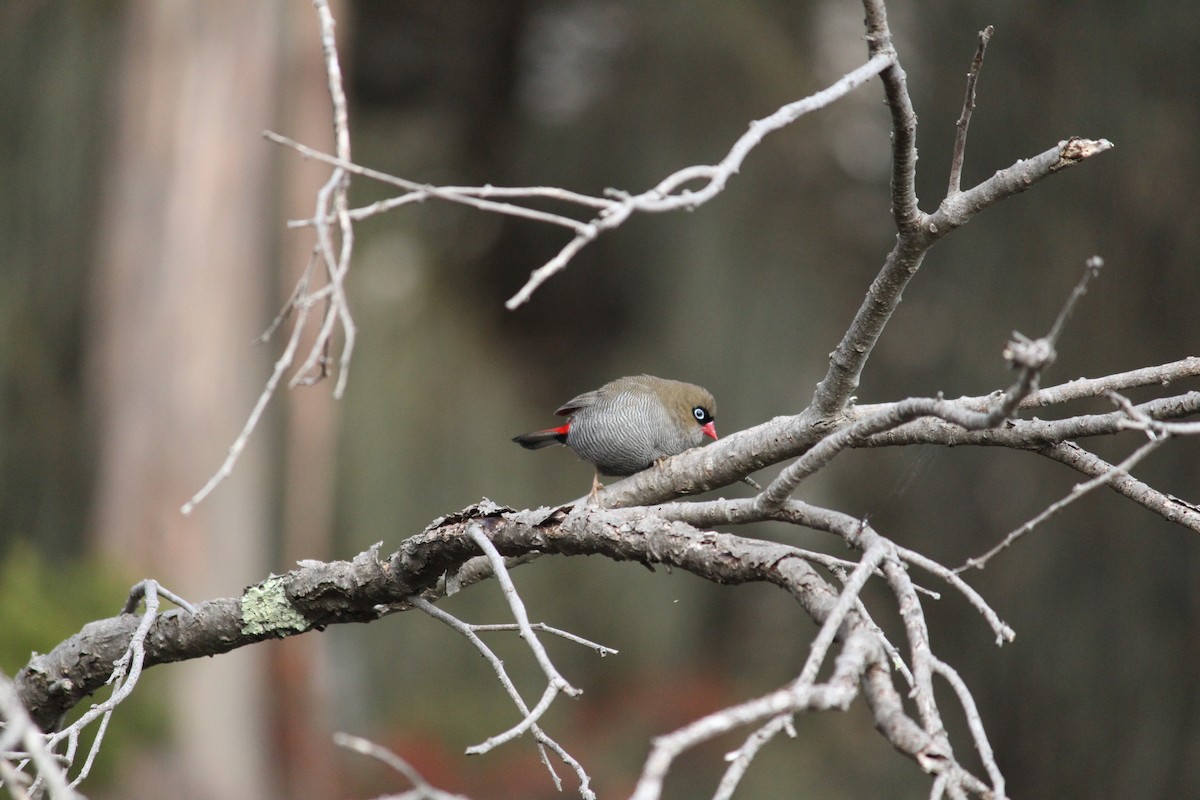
{"x": 582, "y": 401}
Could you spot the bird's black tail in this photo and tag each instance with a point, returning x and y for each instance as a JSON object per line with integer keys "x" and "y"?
{"x": 538, "y": 439}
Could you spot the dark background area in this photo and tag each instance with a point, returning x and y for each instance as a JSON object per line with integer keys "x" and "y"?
{"x": 746, "y": 295}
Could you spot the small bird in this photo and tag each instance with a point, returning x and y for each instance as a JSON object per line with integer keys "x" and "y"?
{"x": 629, "y": 424}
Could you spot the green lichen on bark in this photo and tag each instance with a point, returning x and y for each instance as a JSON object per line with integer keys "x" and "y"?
{"x": 266, "y": 610}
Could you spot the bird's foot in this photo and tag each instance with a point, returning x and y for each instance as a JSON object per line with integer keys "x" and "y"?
{"x": 593, "y": 497}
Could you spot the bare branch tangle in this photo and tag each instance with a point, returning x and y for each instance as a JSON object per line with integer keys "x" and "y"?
{"x": 644, "y": 518}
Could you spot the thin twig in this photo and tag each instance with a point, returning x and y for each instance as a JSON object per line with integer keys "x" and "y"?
{"x": 418, "y": 196}
{"x": 1003, "y": 632}
{"x": 920, "y": 656}
{"x": 337, "y": 313}
{"x": 668, "y": 195}
{"x": 740, "y": 759}
{"x": 368, "y": 748}
{"x": 837, "y": 693}
{"x": 556, "y": 683}
{"x": 316, "y": 364}
{"x": 1141, "y": 421}
{"x": 846, "y": 601}
{"x": 19, "y": 728}
{"x": 137, "y": 594}
{"x": 964, "y": 120}
{"x": 974, "y": 723}
{"x": 468, "y": 632}
{"x": 541, "y": 626}
{"x": 1171, "y": 508}
{"x": 282, "y": 364}
{"x": 663, "y": 197}
{"x": 1033, "y": 357}
{"x": 886, "y": 419}
{"x": 1026, "y": 433}
{"x": 905, "y": 210}
{"x": 475, "y": 532}
{"x": 474, "y": 196}
{"x": 126, "y": 671}
{"x": 1091, "y": 270}
{"x": 1078, "y": 491}
{"x": 336, "y": 190}
{"x": 299, "y": 291}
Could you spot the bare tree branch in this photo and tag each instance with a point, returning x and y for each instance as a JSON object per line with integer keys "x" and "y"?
{"x": 316, "y": 595}
{"x": 634, "y": 519}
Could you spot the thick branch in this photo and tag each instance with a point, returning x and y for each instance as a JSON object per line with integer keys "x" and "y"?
{"x": 316, "y": 595}
{"x": 846, "y": 362}
{"x": 1028, "y": 434}
{"x": 722, "y": 463}
{"x": 310, "y": 597}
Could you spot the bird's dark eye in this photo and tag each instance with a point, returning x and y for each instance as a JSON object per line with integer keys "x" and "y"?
{"x": 701, "y": 414}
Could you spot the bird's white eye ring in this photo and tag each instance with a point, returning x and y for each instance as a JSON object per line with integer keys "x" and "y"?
{"x": 700, "y": 413}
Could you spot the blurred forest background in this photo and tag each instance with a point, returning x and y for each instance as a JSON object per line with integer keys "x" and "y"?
{"x": 143, "y": 248}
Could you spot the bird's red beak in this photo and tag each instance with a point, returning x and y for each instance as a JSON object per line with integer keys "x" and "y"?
{"x": 710, "y": 429}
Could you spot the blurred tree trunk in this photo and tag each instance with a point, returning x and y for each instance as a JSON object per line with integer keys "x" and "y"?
{"x": 185, "y": 281}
